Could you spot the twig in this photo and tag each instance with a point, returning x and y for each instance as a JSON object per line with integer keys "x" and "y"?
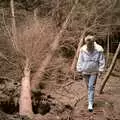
{"x": 78, "y": 100}
{"x": 5, "y": 58}
{"x": 5, "y": 25}
{"x": 69, "y": 83}
{"x": 6, "y": 78}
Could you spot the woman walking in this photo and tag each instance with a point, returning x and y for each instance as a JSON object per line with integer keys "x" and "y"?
{"x": 91, "y": 63}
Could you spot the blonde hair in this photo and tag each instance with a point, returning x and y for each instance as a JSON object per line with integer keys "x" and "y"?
{"x": 89, "y": 37}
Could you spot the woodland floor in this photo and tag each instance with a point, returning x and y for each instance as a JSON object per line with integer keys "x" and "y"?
{"x": 68, "y": 100}
{"x": 73, "y": 95}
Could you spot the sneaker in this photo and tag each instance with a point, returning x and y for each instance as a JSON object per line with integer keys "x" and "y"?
{"x": 90, "y": 108}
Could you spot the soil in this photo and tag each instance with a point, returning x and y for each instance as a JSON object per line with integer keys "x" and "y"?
{"x": 59, "y": 100}
{"x": 70, "y": 98}
{"x": 4, "y": 116}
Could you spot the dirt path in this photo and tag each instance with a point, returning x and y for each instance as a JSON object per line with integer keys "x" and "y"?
{"x": 74, "y": 93}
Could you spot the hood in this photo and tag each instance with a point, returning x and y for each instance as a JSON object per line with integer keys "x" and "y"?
{"x": 97, "y": 47}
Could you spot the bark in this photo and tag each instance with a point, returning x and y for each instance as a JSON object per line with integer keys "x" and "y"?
{"x": 109, "y": 70}
{"x": 25, "y": 104}
{"x": 39, "y": 74}
{"x": 35, "y": 15}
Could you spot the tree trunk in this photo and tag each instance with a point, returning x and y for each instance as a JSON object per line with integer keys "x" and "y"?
{"x": 109, "y": 70}
{"x": 14, "y": 31}
{"x": 25, "y": 104}
{"x": 108, "y": 49}
{"x": 77, "y": 52}
{"x": 39, "y": 74}
{"x": 35, "y": 15}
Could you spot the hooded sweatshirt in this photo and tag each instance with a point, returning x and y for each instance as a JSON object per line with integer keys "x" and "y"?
{"x": 91, "y": 63}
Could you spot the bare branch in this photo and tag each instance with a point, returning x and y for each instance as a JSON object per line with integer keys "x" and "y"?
{"x": 6, "y": 78}
{"x": 5, "y": 25}
{"x": 54, "y": 45}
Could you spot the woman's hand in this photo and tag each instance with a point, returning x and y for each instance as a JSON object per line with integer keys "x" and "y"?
{"x": 100, "y": 74}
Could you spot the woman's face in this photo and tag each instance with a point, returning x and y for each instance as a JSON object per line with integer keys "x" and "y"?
{"x": 90, "y": 44}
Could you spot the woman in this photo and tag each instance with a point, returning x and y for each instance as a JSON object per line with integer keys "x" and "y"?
{"x": 91, "y": 63}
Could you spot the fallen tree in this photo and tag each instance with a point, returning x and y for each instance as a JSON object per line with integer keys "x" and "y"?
{"x": 109, "y": 70}
{"x": 40, "y": 72}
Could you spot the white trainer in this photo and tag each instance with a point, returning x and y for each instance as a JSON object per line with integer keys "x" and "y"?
{"x": 90, "y": 107}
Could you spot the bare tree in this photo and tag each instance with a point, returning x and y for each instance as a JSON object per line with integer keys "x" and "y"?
{"x": 53, "y": 48}
{"x": 25, "y": 105}
{"x": 33, "y": 49}
{"x": 93, "y": 21}
{"x": 109, "y": 70}
{"x": 29, "y": 44}
{"x": 78, "y": 50}
{"x": 25, "y": 96}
